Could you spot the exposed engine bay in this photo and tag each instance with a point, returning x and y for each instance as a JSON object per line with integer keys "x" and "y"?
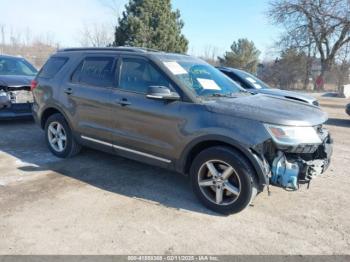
{"x": 295, "y": 165}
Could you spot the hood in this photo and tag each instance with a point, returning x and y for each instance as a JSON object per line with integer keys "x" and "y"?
{"x": 15, "y": 82}
{"x": 268, "y": 109}
{"x": 288, "y": 94}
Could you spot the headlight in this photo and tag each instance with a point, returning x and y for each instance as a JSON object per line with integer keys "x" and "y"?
{"x": 3, "y": 93}
{"x": 293, "y": 135}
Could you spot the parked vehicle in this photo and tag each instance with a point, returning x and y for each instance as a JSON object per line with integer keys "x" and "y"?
{"x": 180, "y": 113}
{"x": 348, "y": 109}
{"x": 16, "y": 75}
{"x": 255, "y": 85}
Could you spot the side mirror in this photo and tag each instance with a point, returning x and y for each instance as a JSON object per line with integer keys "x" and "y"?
{"x": 162, "y": 93}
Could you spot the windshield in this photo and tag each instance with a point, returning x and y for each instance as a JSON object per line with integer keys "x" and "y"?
{"x": 256, "y": 82}
{"x": 201, "y": 78}
{"x": 16, "y": 66}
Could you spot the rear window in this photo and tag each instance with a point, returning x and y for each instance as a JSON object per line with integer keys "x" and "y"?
{"x": 52, "y": 66}
{"x": 95, "y": 71}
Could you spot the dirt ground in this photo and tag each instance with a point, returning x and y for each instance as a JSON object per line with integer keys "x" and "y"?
{"x": 102, "y": 204}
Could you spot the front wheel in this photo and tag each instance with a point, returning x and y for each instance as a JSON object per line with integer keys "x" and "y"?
{"x": 223, "y": 180}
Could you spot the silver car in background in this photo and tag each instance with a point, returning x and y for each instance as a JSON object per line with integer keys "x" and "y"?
{"x": 255, "y": 85}
{"x": 16, "y": 75}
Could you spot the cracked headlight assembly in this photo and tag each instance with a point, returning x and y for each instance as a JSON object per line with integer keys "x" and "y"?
{"x": 293, "y": 135}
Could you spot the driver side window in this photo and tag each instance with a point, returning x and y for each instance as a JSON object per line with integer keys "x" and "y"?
{"x": 137, "y": 75}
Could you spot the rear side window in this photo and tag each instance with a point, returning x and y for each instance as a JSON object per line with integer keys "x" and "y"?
{"x": 95, "y": 71}
{"x": 52, "y": 67}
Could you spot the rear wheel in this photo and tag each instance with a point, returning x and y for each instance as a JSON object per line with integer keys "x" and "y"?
{"x": 223, "y": 180}
{"x": 59, "y": 137}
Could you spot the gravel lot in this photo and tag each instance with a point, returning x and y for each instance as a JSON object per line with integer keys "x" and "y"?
{"x": 102, "y": 204}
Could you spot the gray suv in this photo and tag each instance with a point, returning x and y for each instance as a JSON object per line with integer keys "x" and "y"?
{"x": 179, "y": 113}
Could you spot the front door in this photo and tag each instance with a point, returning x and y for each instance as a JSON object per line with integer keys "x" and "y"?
{"x": 144, "y": 128}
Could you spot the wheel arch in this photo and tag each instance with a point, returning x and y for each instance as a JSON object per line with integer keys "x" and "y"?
{"x": 197, "y": 146}
{"x": 49, "y": 111}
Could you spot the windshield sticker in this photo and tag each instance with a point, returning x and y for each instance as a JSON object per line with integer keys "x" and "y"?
{"x": 208, "y": 84}
{"x": 251, "y": 80}
{"x": 175, "y": 68}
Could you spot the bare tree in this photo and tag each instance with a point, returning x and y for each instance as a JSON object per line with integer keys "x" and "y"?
{"x": 210, "y": 55}
{"x": 23, "y": 43}
{"x": 113, "y": 6}
{"x": 96, "y": 35}
{"x": 2, "y": 31}
{"x": 342, "y": 68}
{"x": 320, "y": 24}
{"x": 287, "y": 71}
{"x": 101, "y": 34}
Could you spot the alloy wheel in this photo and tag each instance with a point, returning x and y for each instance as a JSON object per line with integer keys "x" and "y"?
{"x": 219, "y": 182}
{"x": 57, "y": 137}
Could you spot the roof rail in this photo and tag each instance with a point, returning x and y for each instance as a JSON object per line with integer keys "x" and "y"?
{"x": 119, "y": 48}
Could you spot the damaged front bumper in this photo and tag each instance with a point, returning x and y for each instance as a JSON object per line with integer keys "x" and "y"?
{"x": 292, "y": 166}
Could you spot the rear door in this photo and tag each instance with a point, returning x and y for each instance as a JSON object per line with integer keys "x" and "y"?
{"x": 144, "y": 128}
{"x": 88, "y": 95}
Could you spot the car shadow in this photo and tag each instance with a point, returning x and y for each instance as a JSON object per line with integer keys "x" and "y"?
{"x": 25, "y": 141}
{"x": 338, "y": 122}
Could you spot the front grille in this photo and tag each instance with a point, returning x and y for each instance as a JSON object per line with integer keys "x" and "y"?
{"x": 305, "y": 149}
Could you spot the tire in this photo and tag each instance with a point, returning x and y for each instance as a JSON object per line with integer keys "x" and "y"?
{"x": 239, "y": 189}
{"x": 70, "y": 146}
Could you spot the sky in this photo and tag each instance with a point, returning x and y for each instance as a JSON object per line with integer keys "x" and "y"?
{"x": 209, "y": 24}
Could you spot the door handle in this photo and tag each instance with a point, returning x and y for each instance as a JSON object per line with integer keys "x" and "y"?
{"x": 68, "y": 91}
{"x": 123, "y": 102}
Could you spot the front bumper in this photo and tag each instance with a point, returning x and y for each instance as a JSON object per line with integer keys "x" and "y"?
{"x": 311, "y": 168}
{"x": 302, "y": 164}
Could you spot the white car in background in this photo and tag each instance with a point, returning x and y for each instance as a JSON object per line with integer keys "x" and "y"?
{"x": 255, "y": 85}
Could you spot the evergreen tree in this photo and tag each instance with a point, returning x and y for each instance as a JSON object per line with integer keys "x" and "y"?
{"x": 151, "y": 24}
{"x": 243, "y": 55}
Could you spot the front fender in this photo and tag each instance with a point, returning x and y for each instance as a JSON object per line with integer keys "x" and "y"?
{"x": 259, "y": 164}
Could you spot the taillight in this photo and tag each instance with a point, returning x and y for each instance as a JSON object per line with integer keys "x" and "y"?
{"x": 33, "y": 85}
